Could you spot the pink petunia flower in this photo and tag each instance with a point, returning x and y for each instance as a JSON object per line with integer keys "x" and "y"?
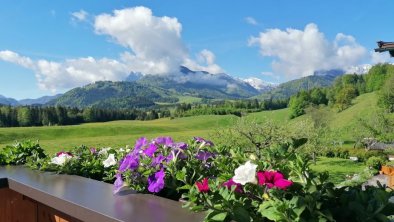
{"x": 203, "y": 186}
{"x": 273, "y": 179}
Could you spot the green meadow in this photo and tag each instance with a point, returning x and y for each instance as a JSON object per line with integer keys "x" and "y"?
{"x": 121, "y": 133}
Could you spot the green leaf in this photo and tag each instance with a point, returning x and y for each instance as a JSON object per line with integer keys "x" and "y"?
{"x": 217, "y": 216}
{"x": 240, "y": 214}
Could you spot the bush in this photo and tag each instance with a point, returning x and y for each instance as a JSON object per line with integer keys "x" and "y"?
{"x": 21, "y": 152}
{"x": 362, "y": 154}
{"x": 376, "y": 162}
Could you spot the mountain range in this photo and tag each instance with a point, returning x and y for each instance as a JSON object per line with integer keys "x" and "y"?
{"x": 141, "y": 90}
{"x": 322, "y": 78}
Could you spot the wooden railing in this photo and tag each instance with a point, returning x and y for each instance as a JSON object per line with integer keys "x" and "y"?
{"x": 31, "y": 196}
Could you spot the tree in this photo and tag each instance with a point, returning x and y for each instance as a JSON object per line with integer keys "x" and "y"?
{"x": 317, "y": 131}
{"x": 24, "y": 116}
{"x": 345, "y": 96}
{"x": 298, "y": 103}
{"x": 386, "y": 95}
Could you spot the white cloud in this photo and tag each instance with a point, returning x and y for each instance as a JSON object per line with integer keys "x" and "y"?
{"x": 377, "y": 57}
{"x": 10, "y": 56}
{"x": 154, "y": 46}
{"x": 205, "y": 62}
{"x": 301, "y": 52}
{"x": 70, "y": 73}
{"x": 251, "y": 20}
{"x": 155, "y": 41}
{"x": 80, "y": 15}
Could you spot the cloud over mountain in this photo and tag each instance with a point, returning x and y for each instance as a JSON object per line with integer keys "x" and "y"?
{"x": 153, "y": 45}
{"x": 299, "y": 53}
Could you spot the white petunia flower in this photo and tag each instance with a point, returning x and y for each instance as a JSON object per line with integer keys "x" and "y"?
{"x": 110, "y": 161}
{"x": 245, "y": 173}
{"x": 104, "y": 151}
{"x": 61, "y": 159}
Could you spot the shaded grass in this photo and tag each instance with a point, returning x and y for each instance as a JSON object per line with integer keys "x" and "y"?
{"x": 338, "y": 168}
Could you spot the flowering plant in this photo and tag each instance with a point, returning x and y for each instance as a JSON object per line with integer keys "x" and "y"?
{"x": 164, "y": 167}
{"x": 258, "y": 191}
{"x": 95, "y": 163}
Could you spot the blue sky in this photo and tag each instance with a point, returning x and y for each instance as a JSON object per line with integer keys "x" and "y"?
{"x": 47, "y": 47}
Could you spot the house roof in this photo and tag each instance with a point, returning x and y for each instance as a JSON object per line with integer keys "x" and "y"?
{"x": 385, "y": 46}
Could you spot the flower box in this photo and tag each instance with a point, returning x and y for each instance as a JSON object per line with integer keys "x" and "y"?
{"x": 28, "y": 195}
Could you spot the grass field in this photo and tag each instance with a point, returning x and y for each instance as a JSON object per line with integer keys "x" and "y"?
{"x": 120, "y": 133}
{"x": 338, "y": 168}
{"x": 115, "y": 133}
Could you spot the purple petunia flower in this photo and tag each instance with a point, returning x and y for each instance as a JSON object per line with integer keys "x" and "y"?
{"x": 118, "y": 183}
{"x": 203, "y": 141}
{"x": 204, "y": 155}
{"x": 139, "y": 144}
{"x": 230, "y": 183}
{"x": 176, "y": 153}
{"x": 156, "y": 181}
{"x": 180, "y": 145}
{"x": 166, "y": 141}
{"x": 131, "y": 161}
{"x": 158, "y": 160}
{"x": 93, "y": 150}
{"x": 150, "y": 150}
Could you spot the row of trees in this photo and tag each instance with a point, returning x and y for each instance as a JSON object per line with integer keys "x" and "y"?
{"x": 47, "y": 116}
{"x": 346, "y": 88}
{"x": 237, "y": 107}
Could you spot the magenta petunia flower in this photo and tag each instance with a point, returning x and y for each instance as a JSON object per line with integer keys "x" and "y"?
{"x": 150, "y": 150}
{"x": 203, "y": 186}
{"x": 156, "y": 181}
{"x": 231, "y": 183}
{"x": 62, "y": 152}
{"x": 273, "y": 179}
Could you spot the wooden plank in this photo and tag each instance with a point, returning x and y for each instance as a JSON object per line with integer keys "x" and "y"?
{"x": 15, "y": 208}
{"x": 48, "y": 214}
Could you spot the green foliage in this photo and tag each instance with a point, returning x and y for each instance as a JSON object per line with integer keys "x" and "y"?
{"x": 47, "y": 116}
{"x": 379, "y": 126}
{"x": 376, "y": 162}
{"x": 288, "y": 89}
{"x": 386, "y": 95}
{"x": 21, "y": 152}
{"x": 377, "y": 76}
{"x": 83, "y": 161}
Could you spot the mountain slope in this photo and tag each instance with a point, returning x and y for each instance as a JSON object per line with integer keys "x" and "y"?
{"x": 106, "y": 94}
{"x": 41, "y": 100}
{"x": 259, "y": 84}
{"x": 200, "y": 84}
{"x": 287, "y": 89}
{"x": 8, "y": 101}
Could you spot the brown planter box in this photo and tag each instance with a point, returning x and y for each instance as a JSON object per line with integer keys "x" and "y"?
{"x": 32, "y": 196}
